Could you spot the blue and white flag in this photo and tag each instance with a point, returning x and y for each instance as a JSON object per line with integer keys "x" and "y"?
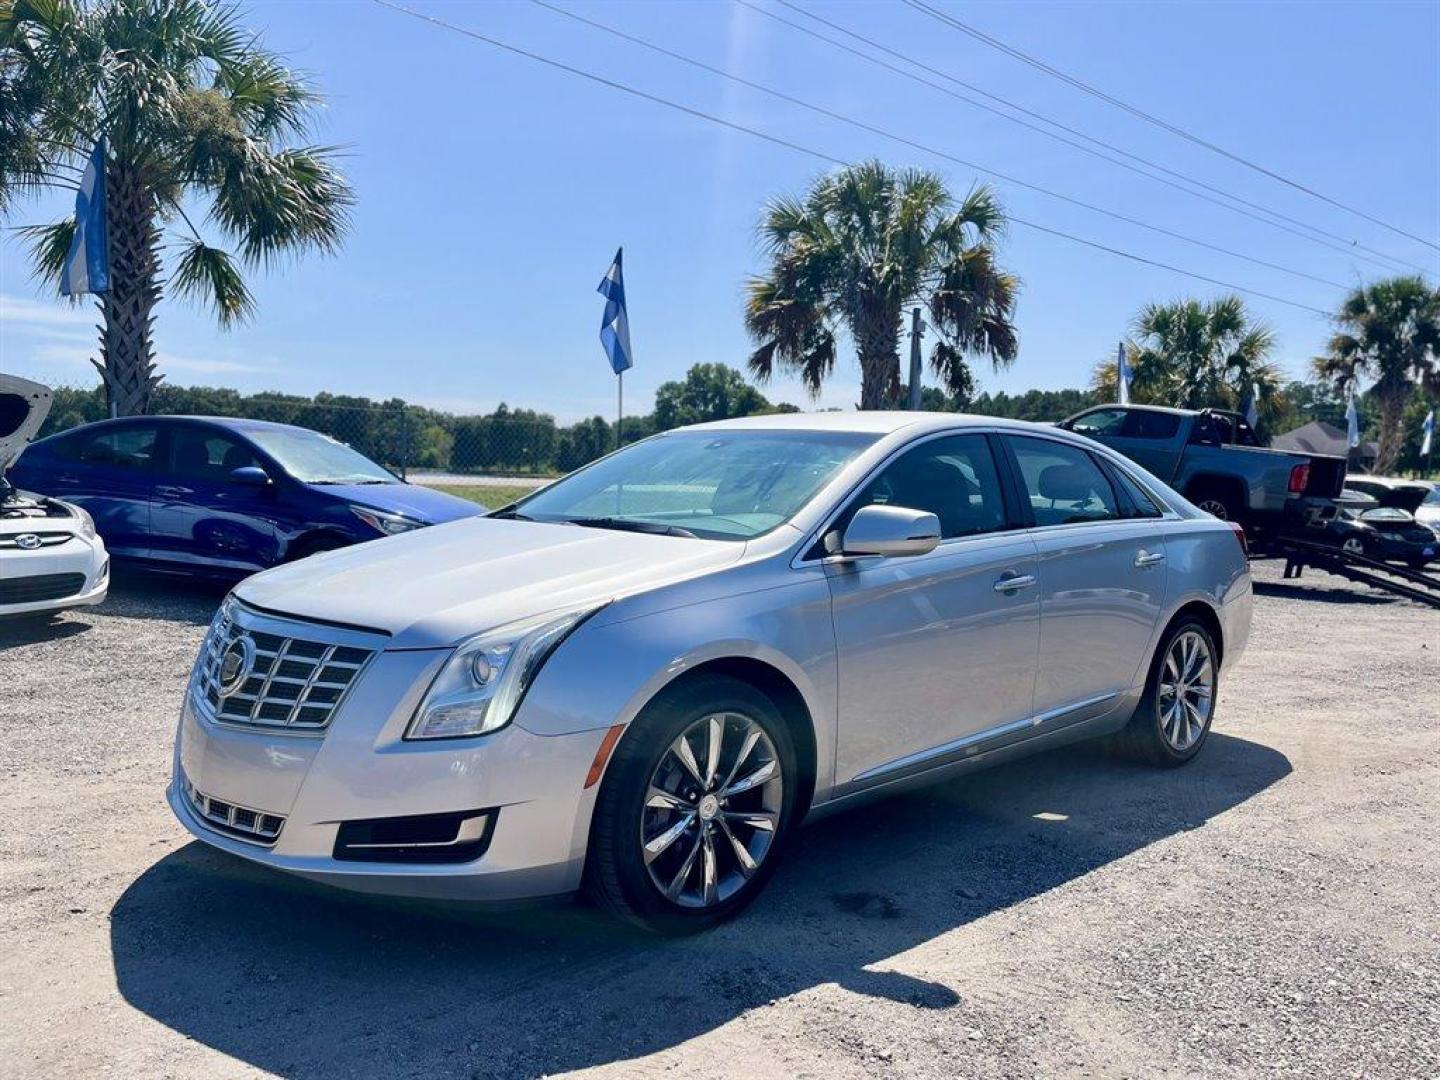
{"x": 1428, "y": 430}
{"x": 1252, "y": 414}
{"x": 87, "y": 265}
{"x": 1125, "y": 375}
{"x": 615, "y": 325}
{"x": 1352, "y": 420}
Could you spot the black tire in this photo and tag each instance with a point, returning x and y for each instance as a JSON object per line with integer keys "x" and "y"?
{"x": 313, "y": 545}
{"x": 616, "y": 876}
{"x": 1144, "y": 738}
{"x": 1217, "y": 501}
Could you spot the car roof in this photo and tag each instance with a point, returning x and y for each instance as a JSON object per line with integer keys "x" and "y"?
{"x": 878, "y": 422}
{"x": 232, "y": 423}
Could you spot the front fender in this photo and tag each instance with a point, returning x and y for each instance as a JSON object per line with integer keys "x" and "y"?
{"x": 604, "y": 674}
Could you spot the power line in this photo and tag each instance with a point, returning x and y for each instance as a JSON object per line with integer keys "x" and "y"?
{"x": 1150, "y": 118}
{"x": 809, "y": 151}
{"x": 883, "y": 133}
{"x": 1352, "y": 248}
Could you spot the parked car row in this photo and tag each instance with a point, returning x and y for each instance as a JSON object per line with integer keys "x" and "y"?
{"x": 638, "y": 681}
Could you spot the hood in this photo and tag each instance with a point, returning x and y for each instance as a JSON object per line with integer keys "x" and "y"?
{"x": 412, "y": 500}
{"x": 432, "y": 587}
{"x": 1407, "y": 497}
{"x": 23, "y": 408}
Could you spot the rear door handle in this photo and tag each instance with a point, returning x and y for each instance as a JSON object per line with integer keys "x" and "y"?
{"x": 1012, "y": 582}
{"x": 1149, "y": 558}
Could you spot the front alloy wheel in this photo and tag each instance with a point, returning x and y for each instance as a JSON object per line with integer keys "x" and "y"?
{"x": 711, "y": 810}
{"x": 694, "y": 806}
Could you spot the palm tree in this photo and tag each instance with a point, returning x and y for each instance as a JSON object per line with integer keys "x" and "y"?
{"x": 862, "y": 245}
{"x": 193, "y": 111}
{"x": 1389, "y": 332}
{"x": 1195, "y": 354}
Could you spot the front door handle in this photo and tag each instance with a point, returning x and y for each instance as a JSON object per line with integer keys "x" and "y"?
{"x": 1013, "y": 582}
{"x": 1149, "y": 558}
{"x": 173, "y": 492}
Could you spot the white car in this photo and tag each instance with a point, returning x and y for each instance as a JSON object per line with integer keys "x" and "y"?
{"x": 50, "y": 554}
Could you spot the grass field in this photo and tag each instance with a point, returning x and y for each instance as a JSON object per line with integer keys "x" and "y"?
{"x": 493, "y": 497}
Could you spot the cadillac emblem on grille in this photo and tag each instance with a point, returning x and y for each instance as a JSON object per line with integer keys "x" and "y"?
{"x": 236, "y": 664}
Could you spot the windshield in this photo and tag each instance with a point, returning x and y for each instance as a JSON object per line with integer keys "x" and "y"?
{"x": 313, "y": 458}
{"x": 730, "y": 485}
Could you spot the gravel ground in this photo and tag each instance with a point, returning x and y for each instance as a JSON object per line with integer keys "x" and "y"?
{"x": 1271, "y": 910}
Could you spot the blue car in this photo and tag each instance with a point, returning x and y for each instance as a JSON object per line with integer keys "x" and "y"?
{"x": 225, "y": 497}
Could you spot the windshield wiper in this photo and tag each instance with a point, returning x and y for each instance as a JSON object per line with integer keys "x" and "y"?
{"x": 632, "y": 525}
{"x": 511, "y": 515}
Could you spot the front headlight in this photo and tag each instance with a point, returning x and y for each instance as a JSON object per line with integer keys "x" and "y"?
{"x": 385, "y": 523}
{"x": 87, "y": 523}
{"x": 483, "y": 682}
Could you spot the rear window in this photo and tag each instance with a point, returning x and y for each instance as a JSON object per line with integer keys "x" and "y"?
{"x": 1151, "y": 425}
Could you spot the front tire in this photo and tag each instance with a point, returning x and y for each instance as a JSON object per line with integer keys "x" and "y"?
{"x": 694, "y": 809}
{"x": 1173, "y": 719}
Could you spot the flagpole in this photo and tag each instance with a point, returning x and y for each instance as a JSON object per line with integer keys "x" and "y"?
{"x": 619, "y": 408}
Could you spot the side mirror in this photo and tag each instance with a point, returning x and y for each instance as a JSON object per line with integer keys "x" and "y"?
{"x": 249, "y": 475}
{"x": 890, "y": 530}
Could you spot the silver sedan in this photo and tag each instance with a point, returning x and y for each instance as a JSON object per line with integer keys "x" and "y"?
{"x": 638, "y": 681}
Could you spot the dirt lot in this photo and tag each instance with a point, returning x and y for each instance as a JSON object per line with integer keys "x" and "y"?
{"x": 1271, "y": 910}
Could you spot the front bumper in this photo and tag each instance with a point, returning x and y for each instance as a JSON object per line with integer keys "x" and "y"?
{"x": 360, "y": 769}
{"x": 77, "y": 556}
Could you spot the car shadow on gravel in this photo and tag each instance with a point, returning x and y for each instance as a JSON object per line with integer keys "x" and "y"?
{"x": 304, "y": 981}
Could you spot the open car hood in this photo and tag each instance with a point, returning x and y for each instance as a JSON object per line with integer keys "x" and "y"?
{"x": 23, "y": 408}
{"x": 1407, "y": 497}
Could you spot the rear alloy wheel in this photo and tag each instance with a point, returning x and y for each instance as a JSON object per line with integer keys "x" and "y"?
{"x": 694, "y": 807}
{"x": 1173, "y": 718}
{"x": 1353, "y": 545}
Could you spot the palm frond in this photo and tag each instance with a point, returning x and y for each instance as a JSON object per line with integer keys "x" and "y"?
{"x": 48, "y": 246}
{"x": 208, "y": 276}
{"x": 278, "y": 203}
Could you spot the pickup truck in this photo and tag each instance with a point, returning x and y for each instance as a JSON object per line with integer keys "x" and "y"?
{"x": 1215, "y": 460}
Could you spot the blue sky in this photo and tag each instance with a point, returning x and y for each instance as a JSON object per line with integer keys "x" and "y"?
{"x": 493, "y": 191}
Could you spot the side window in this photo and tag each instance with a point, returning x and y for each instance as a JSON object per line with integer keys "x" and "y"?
{"x": 201, "y": 454}
{"x": 1100, "y": 422}
{"x": 126, "y": 447}
{"x": 1063, "y": 483}
{"x": 1142, "y": 424}
{"x": 1141, "y": 504}
{"x": 954, "y": 478}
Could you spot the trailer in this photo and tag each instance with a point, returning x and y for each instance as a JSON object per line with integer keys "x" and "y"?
{"x": 1300, "y": 553}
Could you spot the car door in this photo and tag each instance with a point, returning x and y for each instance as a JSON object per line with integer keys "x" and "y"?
{"x": 936, "y": 652}
{"x": 1102, "y": 577}
{"x": 200, "y": 514}
{"x": 109, "y": 469}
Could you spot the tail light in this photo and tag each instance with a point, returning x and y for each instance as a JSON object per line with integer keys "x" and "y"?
{"x": 1299, "y": 477}
{"x": 1240, "y": 536}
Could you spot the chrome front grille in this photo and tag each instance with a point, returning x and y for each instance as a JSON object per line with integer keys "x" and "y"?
{"x": 235, "y": 820}
{"x": 298, "y": 675}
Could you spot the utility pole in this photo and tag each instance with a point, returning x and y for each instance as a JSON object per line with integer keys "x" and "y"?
{"x": 917, "y": 331}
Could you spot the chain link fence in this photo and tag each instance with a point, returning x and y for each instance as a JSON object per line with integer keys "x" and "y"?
{"x": 405, "y": 438}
